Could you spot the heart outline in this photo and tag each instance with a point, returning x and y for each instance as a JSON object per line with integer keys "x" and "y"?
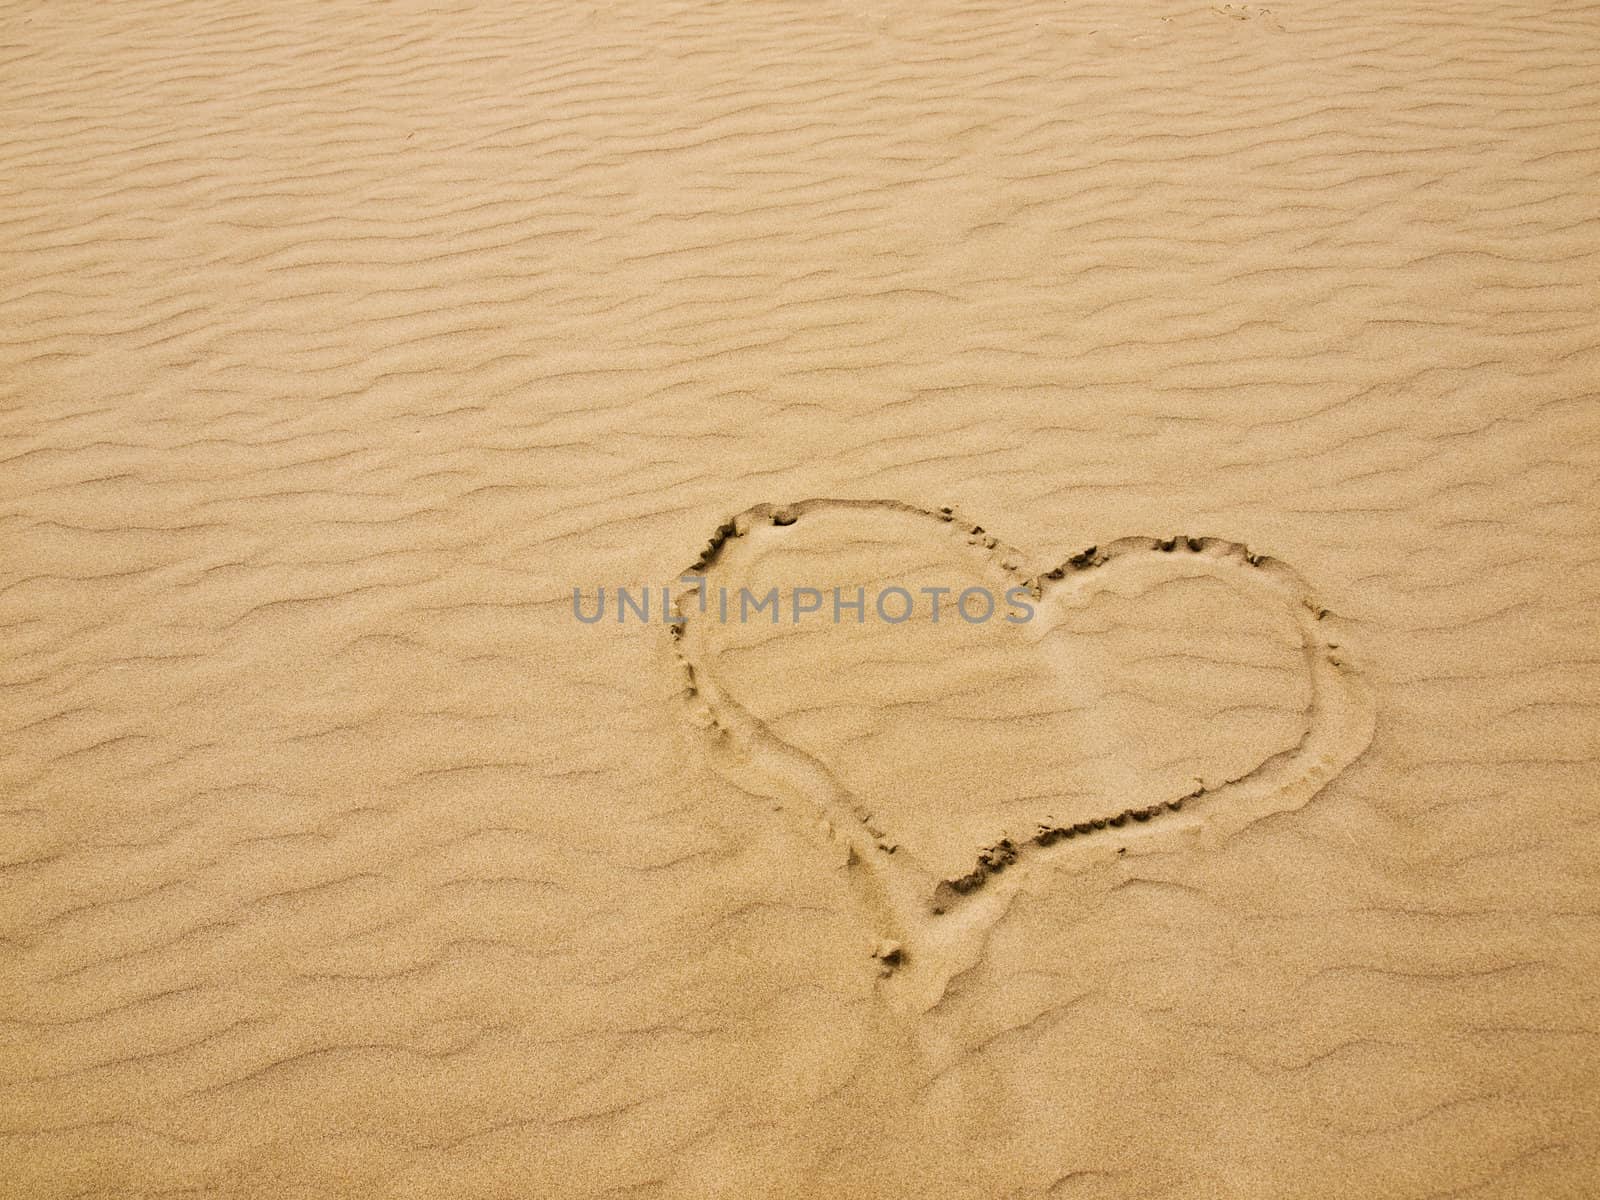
{"x": 933, "y": 928}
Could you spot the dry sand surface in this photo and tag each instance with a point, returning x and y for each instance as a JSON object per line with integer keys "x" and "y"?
{"x": 342, "y": 341}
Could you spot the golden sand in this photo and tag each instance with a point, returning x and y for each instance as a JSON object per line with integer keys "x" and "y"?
{"x": 341, "y": 342}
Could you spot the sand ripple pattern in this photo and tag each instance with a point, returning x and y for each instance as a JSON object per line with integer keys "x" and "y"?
{"x": 339, "y": 341}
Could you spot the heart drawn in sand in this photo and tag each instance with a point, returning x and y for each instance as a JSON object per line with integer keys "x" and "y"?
{"x": 1150, "y": 692}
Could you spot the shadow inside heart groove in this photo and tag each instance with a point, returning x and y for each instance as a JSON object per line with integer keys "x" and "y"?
{"x": 1141, "y": 693}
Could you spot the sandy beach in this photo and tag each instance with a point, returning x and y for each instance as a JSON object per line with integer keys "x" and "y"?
{"x": 359, "y": 360}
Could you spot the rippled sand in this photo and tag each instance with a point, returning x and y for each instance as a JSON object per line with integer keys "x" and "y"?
{"x": 340, "y": 342}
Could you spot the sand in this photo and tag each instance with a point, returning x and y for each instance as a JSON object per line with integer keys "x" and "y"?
{"x": 342, "y": 342}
